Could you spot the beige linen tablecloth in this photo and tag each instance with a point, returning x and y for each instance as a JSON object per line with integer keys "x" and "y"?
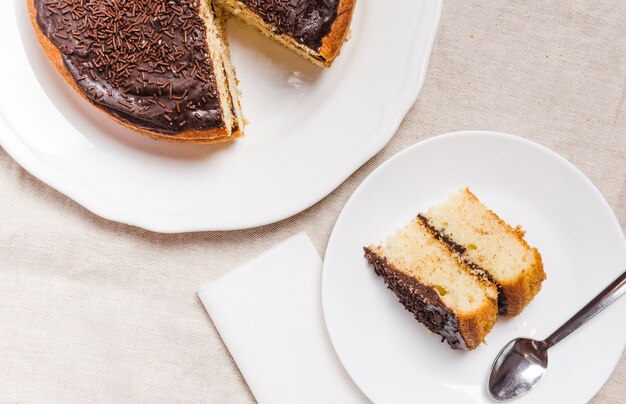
{"x": 97, "y": 311}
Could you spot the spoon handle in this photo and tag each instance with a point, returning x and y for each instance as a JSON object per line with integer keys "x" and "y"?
{"x": 606, "y": 297}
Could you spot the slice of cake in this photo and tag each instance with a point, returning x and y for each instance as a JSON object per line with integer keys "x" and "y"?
{"x": 490, "y": 245}
{"x": 437, "y": 288}
{"x": 159, "y": 67}
{"x": 316, "y": 29}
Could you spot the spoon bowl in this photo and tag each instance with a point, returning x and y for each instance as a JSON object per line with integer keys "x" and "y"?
{"x": 519, "y": 367}
{"x": 521, "y": 364}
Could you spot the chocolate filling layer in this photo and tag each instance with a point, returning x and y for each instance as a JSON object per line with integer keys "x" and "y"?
{"x": 307, "y": 21}
{"x": 421, "y": 300}
{"x": 144, "y": 61}
{"x": 478, "y": 270}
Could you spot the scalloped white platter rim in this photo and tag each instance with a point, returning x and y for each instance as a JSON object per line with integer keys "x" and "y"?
{"x": 309, "y": 130}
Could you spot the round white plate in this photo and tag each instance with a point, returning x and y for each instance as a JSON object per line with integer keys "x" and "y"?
{"x": 309, "y": 129}
{"x": 392, "y": 357}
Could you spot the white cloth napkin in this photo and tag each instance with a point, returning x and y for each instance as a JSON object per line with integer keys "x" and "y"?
{"x": 269, "y": 314}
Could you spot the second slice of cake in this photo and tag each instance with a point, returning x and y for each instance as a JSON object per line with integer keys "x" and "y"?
{"x": 488, "y": 244}
{"x": 437, "y": 288}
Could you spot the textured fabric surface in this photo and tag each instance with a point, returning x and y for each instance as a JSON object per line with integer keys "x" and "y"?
{"x": 94, "y": 311}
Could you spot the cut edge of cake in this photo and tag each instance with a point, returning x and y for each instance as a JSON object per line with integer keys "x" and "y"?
{"x": 428, "y": 296}
{"x": 474, "y": 239}
{"x": 331, "y": 43}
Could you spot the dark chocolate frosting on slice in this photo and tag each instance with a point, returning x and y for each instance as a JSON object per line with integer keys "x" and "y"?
{"x": 421, "y": 300}
{"x": 307, "y": 21}
{"x": 144, "y": 61}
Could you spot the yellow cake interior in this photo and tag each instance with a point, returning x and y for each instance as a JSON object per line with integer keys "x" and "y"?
{"x": 489, "y": 242}
{"x": 415, "y": 252}
{"x": 224, "y": 72}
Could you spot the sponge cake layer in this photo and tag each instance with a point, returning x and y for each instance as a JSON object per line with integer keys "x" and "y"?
{"x": 487, "y": 242}
{"x": 438, "y": 289}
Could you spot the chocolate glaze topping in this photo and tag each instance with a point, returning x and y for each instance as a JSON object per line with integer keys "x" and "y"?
{"x": 307, "y": 21}
{"x": 478, "y": 270}
{"x": 421, "y": 300}
{"x": 144, "y": 61}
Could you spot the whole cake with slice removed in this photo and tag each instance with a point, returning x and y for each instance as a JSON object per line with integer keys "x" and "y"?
{"x": 162, "y": 67}
{"x": 457, "y": 266}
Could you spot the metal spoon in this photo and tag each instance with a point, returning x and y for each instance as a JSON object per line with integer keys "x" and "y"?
{"x": 522, "y": 362}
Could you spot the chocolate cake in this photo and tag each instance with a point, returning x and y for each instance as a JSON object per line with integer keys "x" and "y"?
{"x": 162, "y": 67}
{"x": 157, "y": 66}
{"x": 316, "y": 29}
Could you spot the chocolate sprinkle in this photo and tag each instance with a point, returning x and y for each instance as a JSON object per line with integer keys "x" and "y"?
{"x": 307, "y": 21}
{"x": 122, "y": 53}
